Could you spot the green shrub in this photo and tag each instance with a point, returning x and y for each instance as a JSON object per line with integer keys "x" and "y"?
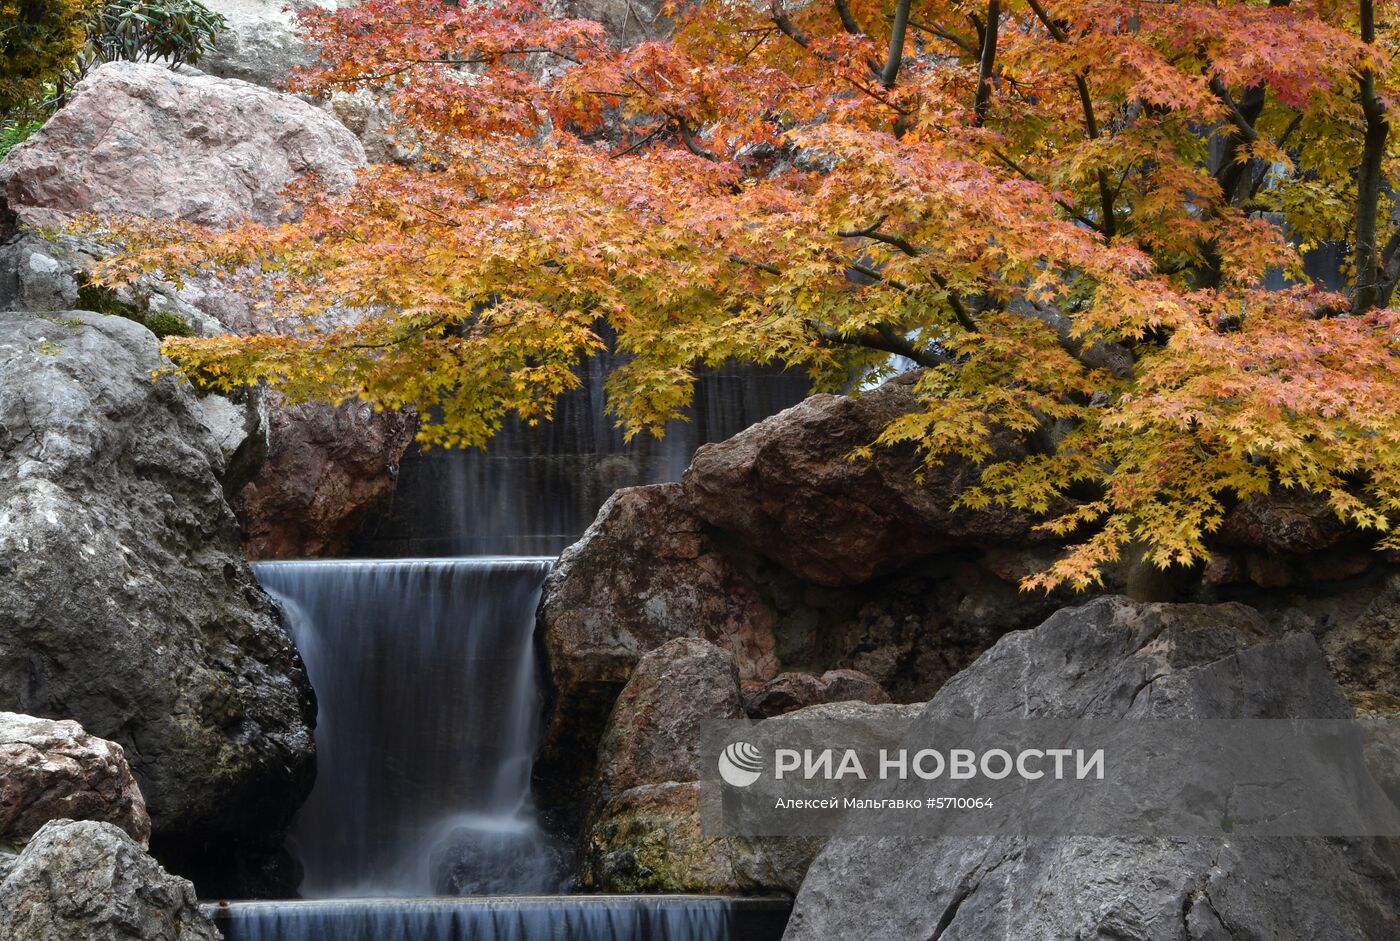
{"x": 176, "y": 31}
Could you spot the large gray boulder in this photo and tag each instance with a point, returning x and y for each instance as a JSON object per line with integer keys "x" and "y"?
{"x": 145, "y": 141}
{"x": 125, "y": 602}
{"x": 259, "y": 43}
{"x": 141, "y": 139}
{"x": 89, "y": 881}
{"x": 52, "y": 769}
{"x": 1114, "y": 659}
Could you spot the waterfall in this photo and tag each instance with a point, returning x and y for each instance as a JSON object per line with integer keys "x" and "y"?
{"x": 534, "y": 490}
{"x": 428, "y": 717}
{"x": 576, "y": 918}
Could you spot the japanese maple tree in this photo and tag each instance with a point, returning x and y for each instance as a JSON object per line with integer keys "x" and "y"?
{"x": 1084, "y": 219}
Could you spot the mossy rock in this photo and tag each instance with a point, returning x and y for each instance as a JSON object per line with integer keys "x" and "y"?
{"x": 105, "y": 301}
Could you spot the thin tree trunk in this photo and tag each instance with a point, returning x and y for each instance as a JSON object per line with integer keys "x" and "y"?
{"x": 988, "y": 63}
{"x": 1368, "y": 178}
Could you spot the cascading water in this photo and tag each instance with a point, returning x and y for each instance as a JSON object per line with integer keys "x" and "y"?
{"x": 580, "y": 918}
{"x": 534, "y": 491}
{"x": 420, "y": 826}
{"x": 424, "y": 672}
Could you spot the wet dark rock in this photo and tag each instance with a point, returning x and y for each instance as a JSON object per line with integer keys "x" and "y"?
{"x": 125, "y": 601}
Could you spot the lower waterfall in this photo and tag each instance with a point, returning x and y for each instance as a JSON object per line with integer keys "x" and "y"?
{"x": 421, "y": 826}
{"x": 428, "y": 713}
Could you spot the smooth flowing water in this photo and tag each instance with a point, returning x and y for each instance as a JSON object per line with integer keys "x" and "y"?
{"x": 533, "y": 491}
{"x": 428, "y": 717}
{"x": 575, "y": 918}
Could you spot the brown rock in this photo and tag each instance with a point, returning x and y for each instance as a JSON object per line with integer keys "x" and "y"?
{"x": 326, "y": 467}
{"x": 852, "y": 686}
{"x": 643, "y": 829}
{"x": 655, "y": 731}
{"x": 788, "y": 692}
{"x": 1224, "y": 568}
{"x": 788, "y": 488}
{"x": 784, "y": 693}
{"x": 1291, "y": 522}
{"x": 53, "y": 770}
{"x": 646, "y": 572}
{"x": 1268, "y": 571}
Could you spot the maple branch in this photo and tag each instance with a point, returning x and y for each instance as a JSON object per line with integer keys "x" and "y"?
{"x": 1091, "y": 124}
{"x": 983, "y": 99}
{"x": 1243, "y": 124}
{"x": 761, "y": 266}
{"x": 849, "y": 24}
{"x": 938, "y": 32}
{"x": 902, "y": 111}
{"x": 1368, "y": 175}
{"x": 788, "y": 27}
{"x": 890, "y": 73}
{"x": 955, "y": 301}
{"x": 1263, "y": 173}
{"x": 479, "y": 60}
{"x": 1390, "y": 268}
{"x": 402, "y": 338}
{"x": 848, "y": 21}
{"x": 1074, "y": 213}
{"x": 886, "y": 340}
{"x": 650, "y": 136}
{"x": 688, "y": 138}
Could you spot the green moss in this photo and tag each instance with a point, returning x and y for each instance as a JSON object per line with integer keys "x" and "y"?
{"x": 102, "y": 300}
{"x": 168, "y": 325}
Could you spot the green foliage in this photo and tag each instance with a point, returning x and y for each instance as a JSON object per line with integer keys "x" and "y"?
{"x": 176, "y": 31}
{"x": 16, "y": 133}
{"x": 38, "y": 40}
{"x": 47, "y": 45}
{"x": 102, "y": 300}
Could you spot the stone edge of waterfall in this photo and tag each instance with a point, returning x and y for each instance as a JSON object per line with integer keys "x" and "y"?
{"x": 742, "y": 918}
{"x": 224, "y": 909}
{"x": 410, "y": 561}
